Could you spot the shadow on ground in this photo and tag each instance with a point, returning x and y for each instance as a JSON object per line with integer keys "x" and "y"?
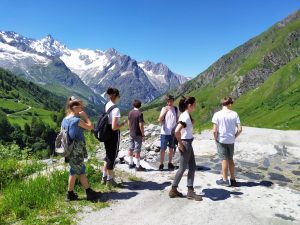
{"x": 263, "y": 183}
{"x": 118, "y": 196}
{"x": 132, "y": 186}
{"x": 146, "y": 185}
{"x": 218, "y": 194}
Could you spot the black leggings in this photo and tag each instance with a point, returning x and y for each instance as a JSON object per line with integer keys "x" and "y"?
{"x": 112, "y": 148}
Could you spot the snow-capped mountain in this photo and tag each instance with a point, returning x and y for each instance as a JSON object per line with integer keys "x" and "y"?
{"x": 161, "y": 76}
{"x": 97, "y": 69}
{"x": 18, "y": 56}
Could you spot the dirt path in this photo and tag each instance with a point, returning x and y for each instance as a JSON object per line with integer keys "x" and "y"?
{"x": 253, "y": 202}
{"x": 25, "y": 110}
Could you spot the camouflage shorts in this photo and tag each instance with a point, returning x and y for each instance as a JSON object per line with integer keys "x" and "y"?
{"x": 76, "y": 158}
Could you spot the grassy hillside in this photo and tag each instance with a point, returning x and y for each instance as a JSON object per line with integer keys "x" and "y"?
{"x": 261, "y": 74}
{"x": 276, "y": 103}
{"x": 21, "y": 100}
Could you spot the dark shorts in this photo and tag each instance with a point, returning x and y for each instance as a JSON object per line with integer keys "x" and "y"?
{"x": 135, "y": 143}
{"x": 81, "y": 172}
{"x": 225, "y": 151}
{"x": 167, "y": 141}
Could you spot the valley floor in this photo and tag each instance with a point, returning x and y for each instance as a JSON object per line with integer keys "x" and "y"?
{"x": 268, "y": 165}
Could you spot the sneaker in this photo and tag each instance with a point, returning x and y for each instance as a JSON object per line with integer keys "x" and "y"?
{"x": 174, "y": 193}
{"x": 140, "y": 168}
{"x": 104, "y": 180}
{"x": 171, "y": 166}
{"x": 222, "y": 182}
{"x": 132, "y": 166}
{"x": 191, "y": 195}
{"x": 92, "y": 195}
{"x": 71, "y": 196}
{"x": 161, "y": 167}
{"x": 233, "y": 183}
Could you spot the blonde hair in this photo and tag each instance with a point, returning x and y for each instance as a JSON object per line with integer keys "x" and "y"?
{"x": 71, "y": 102}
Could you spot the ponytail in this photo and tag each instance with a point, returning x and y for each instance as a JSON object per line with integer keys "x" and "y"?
{"x": 184, "y": 102}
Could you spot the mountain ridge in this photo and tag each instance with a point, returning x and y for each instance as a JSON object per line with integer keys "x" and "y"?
{"x": 96, "y": 69}
{"x": 244, "y": 70}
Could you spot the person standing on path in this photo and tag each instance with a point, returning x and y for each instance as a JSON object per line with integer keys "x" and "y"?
{"x": 136, "y": 127}
{"x": 112, "y": 144}
{"x": 168, "y": 119}
{"x": 76, "y": 121}
{"x": 226, "y": 128}
{"x": 184, "y": 135}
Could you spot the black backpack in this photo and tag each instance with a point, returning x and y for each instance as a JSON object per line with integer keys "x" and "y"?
{"x": 102, "y": 128}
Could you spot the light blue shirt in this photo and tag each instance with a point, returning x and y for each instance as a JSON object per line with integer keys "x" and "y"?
{"x": 75, "y": 131}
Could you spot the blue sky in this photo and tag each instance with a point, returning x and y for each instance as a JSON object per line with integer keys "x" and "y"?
{"x": 186, "y": 35}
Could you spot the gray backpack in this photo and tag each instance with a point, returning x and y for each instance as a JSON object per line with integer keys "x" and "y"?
{"x": 63, "y": 143}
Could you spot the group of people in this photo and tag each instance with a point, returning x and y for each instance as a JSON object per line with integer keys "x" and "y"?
{"x": 176, "y": 129}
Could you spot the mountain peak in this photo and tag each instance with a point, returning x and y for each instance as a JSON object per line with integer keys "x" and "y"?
{"x": 49, "y": 38}
{"x": 49, "y": 46}
{"x": 112, "y": 51}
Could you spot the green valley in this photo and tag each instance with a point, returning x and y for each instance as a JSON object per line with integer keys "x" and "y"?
{"x": 262, "y": 75}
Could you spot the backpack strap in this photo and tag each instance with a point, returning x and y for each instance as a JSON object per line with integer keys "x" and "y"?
{"x": 111, "y": 109}
{"x": 176, "y": 112}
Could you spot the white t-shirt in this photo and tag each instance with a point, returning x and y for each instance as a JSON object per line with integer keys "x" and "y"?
{"x": 226, "y": 121}
{"x": 170, "y": 121}
{"x": 115, "y": 113}
{"x": 187, "y": 131}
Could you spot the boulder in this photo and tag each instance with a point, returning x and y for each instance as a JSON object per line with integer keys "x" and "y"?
{"x": 154, "y": 133}
{"x": 150, "y": 127}
{"x": 147, "y": 133}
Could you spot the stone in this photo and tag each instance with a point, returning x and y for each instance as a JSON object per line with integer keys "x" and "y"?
{"x": 266, "y": 163}
{"x": 248, "y": 164}
{"x": 150, "y": 127}
{"x": 253, "y": 176}
{"x": 148, "y": 147}
{"x": 147, "y": 134}
{"x": 155, "y": 144}
{"x": 125, "y": 133}
{"x": 296, "y": 172}
{"x": 262, "y": 168}
{"x": 279, "y": 177}
{"x": 152, "y": 153}
{"x": 154, "y": 133}
{"x": 122, "y": 154}
{"x": 277, "y": 168}
{"x": 294, "y": 163}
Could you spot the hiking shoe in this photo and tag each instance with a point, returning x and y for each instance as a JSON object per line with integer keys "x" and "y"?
{"x": 191, "y": 195}
{"x": 174, "y": 193}
{"x": 161, "y": 167}
{"x": 140, "y": 168}
{"x": 71, "y": 196}
{"x": 132, "y": 166}
{"x": 112, "y": 184}
{"x": 233, "y": 183}
{"x": 171, "y": 166}
{"x": 104, "y": 180}
{"x": 222, "y": 182}
{"x": 92, "y": 195}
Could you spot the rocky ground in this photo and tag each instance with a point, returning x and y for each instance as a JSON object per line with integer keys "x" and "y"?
{"x": 268, "y": 192}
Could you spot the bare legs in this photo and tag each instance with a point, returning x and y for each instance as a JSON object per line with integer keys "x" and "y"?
{"x": 83, "y": 180}
{"x": 228, "y": 164}
{"x": 162, "y": 155}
